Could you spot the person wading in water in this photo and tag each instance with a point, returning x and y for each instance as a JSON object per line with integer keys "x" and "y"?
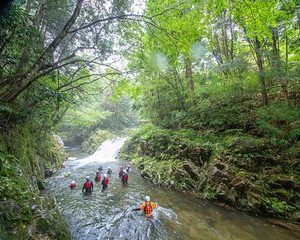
{"x": 98, "y": 177}
{"x": 88, "y": 186}
{"x": 147, "y": 207}
{"x": 124, "y": 179}
{"x": 104, "y": 183}
{"x": 72, "y": 185}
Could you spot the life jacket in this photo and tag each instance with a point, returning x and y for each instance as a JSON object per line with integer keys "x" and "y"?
{"x": 125, "y": 177}
{"x": 98, "y": 178}
{"x": 105, "y": 181}
{"x": 72, "y": 186}
{"x": 148, "y": 209}
{"x": 88, "y": 185}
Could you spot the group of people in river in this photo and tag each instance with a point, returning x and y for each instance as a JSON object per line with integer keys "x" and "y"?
{"x": 88, "y": 186}
{"x": 147, "y": 206}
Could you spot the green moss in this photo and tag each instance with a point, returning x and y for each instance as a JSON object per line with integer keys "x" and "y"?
{"x": 256, "y": 173}
{"x": 24, "y": 156}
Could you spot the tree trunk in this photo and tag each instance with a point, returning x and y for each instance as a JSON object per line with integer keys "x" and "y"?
{"x": 189, "y": 77}
{"x": 298, "y": 20}
{"x": 18, "y": 83}
{"x": 277, "y": 64}
{"x": 261, "y": 71}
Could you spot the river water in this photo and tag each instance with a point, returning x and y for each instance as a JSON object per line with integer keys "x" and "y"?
{"x": 108, "y": 215}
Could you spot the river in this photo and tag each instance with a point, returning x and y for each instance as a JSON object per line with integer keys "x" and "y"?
{"x": 108, "y": 215}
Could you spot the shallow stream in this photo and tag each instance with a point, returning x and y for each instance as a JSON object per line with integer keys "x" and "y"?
{"x": 108, "y": 215}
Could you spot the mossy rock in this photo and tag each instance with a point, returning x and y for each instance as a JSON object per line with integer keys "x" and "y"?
{"x": 247, "y": 144}
{"x": 283, "y": 181}
{"x": 22, "y": 161}
{"x": 281, "y": 194}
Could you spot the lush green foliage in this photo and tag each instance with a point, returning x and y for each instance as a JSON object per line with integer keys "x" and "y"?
{"x": 213, "y": 63}
{"x": 280, "y": 121}
{"x": 243, "y": 170}
{"x": 93, "y": 113}
{"x": 25, "y": 154}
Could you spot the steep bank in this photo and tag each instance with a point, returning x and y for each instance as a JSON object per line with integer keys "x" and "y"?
{"x": 25, "y": 156}
{"x": 232, "y": 167}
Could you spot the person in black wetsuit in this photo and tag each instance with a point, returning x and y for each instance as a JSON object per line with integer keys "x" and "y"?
{"x": 88, "y": 186}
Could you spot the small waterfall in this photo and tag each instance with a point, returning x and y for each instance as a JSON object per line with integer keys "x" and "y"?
{"x": 107, "y": 152}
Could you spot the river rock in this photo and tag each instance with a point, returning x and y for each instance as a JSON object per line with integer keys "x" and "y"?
{"x": 199, "y": 155}
{"x": 215, "y": 173}
{"x": 232, "y": 195}
{"x": 146, "y": 175}
{"x": 141, "y": 166}
{"x": 190, "y": 169}
{"x": 222, "y": 189}
{"x": 295, "y": 216}
{"x": 40, "y": 185}
{"x": 240, "y": 184}
{"x": 278, "y": 182}
{"x": 246, "y": 145}
{"x": 253, "y": 198}
{"x": 58, "y": 140}
{"x": 216, "y": 176}
{"x": 221, "y": 166}
{"x": 49, "y": 172}
{"x": 286, "y": 182}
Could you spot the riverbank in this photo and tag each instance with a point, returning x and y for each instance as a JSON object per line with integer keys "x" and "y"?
{"x": 26, "y": 157}
{"x": 233, "y": 168}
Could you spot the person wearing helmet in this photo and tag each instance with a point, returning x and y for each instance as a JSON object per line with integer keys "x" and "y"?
{"x": 88, "y": 186}
{"x": 72, "y": 185}
{"x": 109, "y": 171}
{"x": 100, "y": 169}
{"x": 98, "y": 177}
{"x": 104, "y": 182}
{"x": 147, "y": 207}
{"x": 124, "y": 179}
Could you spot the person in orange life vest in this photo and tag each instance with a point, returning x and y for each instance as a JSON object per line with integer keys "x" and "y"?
{"x": 72, "y": 185}
{"x": 88, "y": 185}
{"x": 124, "y": 178}
{"x": 147, "y": 207}
{"x": 104, "y": 182}
{"x": 98, "y": 177}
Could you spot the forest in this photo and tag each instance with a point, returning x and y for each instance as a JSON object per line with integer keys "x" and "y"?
{"x": 207, "y": 90}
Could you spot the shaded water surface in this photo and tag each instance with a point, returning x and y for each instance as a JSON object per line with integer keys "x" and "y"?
{"x": 108, "y": 215}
